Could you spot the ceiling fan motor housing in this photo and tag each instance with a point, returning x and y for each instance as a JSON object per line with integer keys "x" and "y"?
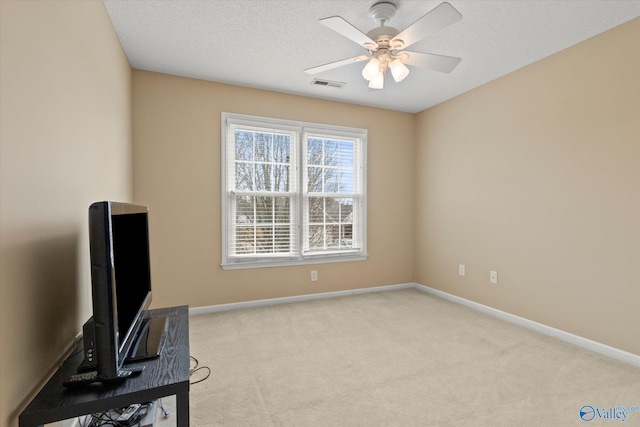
{"x": 382, "y": 35}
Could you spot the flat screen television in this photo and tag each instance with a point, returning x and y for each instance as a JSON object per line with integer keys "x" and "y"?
{"x": 121, "y": 290}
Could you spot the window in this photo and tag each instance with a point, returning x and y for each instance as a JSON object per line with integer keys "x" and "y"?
{"x": 292, "y": 192}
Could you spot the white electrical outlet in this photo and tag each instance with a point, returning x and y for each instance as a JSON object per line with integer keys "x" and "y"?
{"x": 493, "y": 277}
{"x": 314, "y": 276}
{"x": 461, "y": 269}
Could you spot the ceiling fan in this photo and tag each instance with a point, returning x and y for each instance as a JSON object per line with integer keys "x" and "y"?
{"x": 385, "y": 44}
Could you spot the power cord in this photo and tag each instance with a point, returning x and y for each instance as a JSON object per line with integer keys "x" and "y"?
{"x": 195, "y": 368}
{"x": 165, "y": 413}
{"x": 110, "y": 418}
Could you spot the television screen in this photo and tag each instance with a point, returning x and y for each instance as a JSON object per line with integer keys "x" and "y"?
{"x": 131, "y": 266}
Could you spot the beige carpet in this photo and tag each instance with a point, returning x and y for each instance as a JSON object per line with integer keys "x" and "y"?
{"x": 396, "y": 358}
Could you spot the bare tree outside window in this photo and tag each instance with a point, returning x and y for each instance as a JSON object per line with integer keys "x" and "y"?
{"x": 263, "y": 166}
{"x": 330, "y": 165}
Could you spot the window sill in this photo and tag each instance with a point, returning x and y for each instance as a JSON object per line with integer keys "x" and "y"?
{"x": 240, "y": 265}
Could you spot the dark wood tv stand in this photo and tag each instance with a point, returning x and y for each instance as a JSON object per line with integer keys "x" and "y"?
{"x": 164, "y": 376}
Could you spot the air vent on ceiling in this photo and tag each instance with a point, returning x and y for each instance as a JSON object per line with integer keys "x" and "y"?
{"x": 327, "y": 83}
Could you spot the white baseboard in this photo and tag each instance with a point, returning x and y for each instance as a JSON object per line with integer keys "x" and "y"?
{"x": 612, "y": 352}
{"x": 297, "y": 298}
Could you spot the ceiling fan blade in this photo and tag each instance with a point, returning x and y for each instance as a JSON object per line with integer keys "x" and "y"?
{"x": 438, "y": 18}
{"x": 444, "y": 64}
{"x": 340, "y": 26}
{"x": 336, "y": 64}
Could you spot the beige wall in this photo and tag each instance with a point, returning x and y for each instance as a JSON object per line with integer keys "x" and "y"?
{"x": 65, "y": 134}
{"x": 177, "y": 173}
{"x": 537, "y": 175}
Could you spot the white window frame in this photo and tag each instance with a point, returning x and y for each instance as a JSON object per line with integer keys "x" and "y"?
{"x": 300, "y": 195}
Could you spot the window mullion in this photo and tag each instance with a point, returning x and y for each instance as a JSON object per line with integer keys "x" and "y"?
{"x": 273, "y": 222}
{"x": 255, "y": 225}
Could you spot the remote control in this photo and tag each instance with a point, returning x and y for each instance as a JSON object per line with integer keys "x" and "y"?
{"x": 84, "y": 378}
{"x": 136, "y": 370}
{"x": 81, "y": 379}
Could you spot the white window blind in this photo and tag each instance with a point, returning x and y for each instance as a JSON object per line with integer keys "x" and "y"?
{"x": 292, "y": 192}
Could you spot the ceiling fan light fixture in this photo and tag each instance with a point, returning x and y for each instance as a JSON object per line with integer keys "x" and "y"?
{"x": 385, "y": 44}
{"x": 398, "y": 70}
{"x": 377, "y": 82}
{"x": 371, "y": 70}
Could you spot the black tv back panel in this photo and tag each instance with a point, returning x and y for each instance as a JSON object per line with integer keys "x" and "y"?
{"x": 89, "y": 342}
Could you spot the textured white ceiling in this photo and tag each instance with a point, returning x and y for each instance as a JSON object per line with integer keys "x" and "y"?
{"x": 268, "y": 44}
